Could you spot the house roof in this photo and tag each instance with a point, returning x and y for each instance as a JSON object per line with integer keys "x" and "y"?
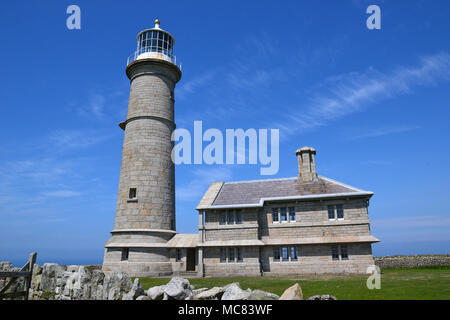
{"x": 186, "y": 240}
{"x": 254, "y": 193}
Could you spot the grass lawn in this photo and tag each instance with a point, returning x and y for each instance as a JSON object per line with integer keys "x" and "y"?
{"x": 414, "y": 283}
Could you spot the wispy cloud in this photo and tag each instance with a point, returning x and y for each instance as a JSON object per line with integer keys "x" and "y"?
{"x": 94, "y": 107}
{"x": 71, "y": 139}
{"x": 199, "y": 182}
{"x": 190, "y": 86}
{"x": 382, "y": 132}
{"x": 349, "y": 93}
{"x": 61, "y": 193}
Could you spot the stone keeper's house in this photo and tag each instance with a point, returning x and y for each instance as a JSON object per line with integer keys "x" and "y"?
{"x": 305, "y": 224}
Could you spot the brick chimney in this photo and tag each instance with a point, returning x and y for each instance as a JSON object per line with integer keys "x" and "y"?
{"x": 306, "y": 165}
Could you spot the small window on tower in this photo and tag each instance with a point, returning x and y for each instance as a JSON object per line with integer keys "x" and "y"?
{"x": 125, "y": 254}
{"x": 133, "y": 193}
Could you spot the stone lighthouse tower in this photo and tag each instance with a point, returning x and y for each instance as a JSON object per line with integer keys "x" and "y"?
{"x": 145, "y": 214}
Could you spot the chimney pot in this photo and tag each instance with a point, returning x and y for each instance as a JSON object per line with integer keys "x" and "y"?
{"x": 306, "y": 164}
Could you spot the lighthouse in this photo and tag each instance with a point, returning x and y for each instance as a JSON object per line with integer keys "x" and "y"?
{"x": 145, "y": 213}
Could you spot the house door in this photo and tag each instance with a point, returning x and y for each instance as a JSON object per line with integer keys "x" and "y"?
{"x": 190, "y": 259}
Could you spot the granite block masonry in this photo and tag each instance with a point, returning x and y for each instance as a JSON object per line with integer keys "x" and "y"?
{"x": 145, "y": 214}
{"x": 300, "y": 225}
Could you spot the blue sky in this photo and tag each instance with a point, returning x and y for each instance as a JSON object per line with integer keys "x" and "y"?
{"x": 374, "y": 103}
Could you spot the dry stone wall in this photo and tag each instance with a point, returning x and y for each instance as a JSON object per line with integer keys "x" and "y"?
{"x": 413, "y": 261}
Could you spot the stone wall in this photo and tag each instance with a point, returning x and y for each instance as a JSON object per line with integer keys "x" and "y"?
{"x": 412, "y": 261}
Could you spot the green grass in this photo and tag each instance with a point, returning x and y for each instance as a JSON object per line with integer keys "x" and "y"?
{"x": 414, "y": 283}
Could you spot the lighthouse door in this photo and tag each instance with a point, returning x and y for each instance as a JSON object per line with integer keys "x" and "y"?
{"x": 190, "y": 259}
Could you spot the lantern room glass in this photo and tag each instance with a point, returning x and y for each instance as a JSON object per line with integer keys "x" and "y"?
{"x": 156, "y": 41}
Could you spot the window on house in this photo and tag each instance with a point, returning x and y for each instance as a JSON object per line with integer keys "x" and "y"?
{"x": 223, "y": 217}
{"x": 335, "y": 252}
{"x": 230, "y": 217}
{"x": 276, "y": 254}
{"x": 238, "y": 216}
{"x": 331, "y": 212}
{"x": 223, "y": 255}
{"x": 294, "y": 253}
{"x": 231, "y": 255}
{"x": 340, "y": 211}
{"x": 132, "y": 194}
{"x": 344, "y": 252}
{"x": 283, "y": 215}
{"x": 125, "y": 254}
{"x": 178, "y": 254}
{"x": 275, "y": 215}
{"x": 285, "y": 253}
{"x": 239, "y": 255}
{"x": 292, "y": 214}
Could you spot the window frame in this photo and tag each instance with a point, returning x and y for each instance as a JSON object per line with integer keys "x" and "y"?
{"x": 223, "y": 217}
{"x": 276, "y": 253}
{"x": 239, "y": 256}
{"x": 343, "y": 249}
{"x": 230, "y": 217}
{"x": 287, "y": 253}
{"x": 276, "y": 213}
{"x": 341, "y": 207}
{"x": 238, "y": 216}
{"x": 331, "y": 209}
{"x": 291, "y": 211}
{"x": 335, "y": 256}
{"x": 223, "y": 255}
{"x": 293, "y": 249}
{"x": 283, "y": 214}
{"x": 231, "y": 250}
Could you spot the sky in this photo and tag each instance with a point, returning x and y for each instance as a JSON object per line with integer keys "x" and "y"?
{"x": 373, "y": 103}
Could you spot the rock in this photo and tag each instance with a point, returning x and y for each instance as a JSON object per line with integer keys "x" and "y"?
{"x": 178, "y": 289}
{"x": 292, "y": 293}
{"x": 136, "y": 291}
{"x": 262, "y": 295}
{"x": 52, "y": 274}
{"x": 143, "y": 298}
{"x": 115, "y": 286}
{"x": 322, "y": 297}
{"x": 197, "y": 291}
{"x": 211, "y": 294}
{"x": 234, "y": 292}
{"x": 156, "y": 293}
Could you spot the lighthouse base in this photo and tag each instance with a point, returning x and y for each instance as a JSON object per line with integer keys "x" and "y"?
{"x": 139, "y": 253}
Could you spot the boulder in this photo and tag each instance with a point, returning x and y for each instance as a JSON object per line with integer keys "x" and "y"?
{"x": 197, "y": 291}
{"x": 52, "y": 274}
{"x": 115, "y": 286}
{"x": 292, "y": 293}
{"x": 262, "y": 295}
{"x": 211, "y": 294}
{"x": 156, "y": 293}
{"x": 136, "y": 291}
{"x": 322, "y": 297}
{"x": 178, "y": 289}
{"x": 143, "y": 298}
{"x": 234, "y": 292}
